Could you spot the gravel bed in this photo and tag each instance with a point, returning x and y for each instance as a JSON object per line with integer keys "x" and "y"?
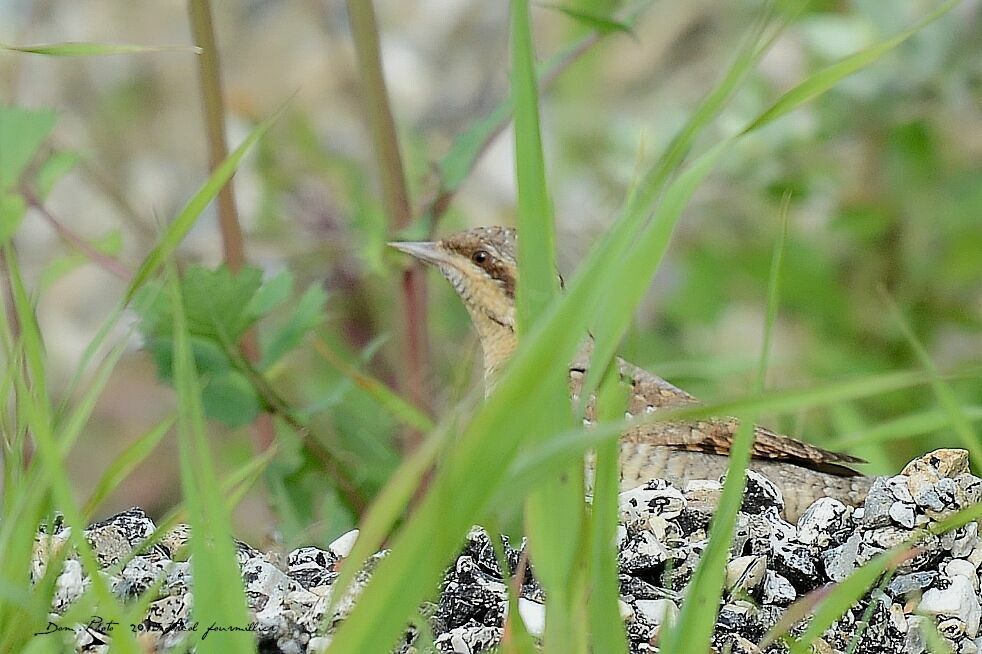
{"x": 661, "y": 534}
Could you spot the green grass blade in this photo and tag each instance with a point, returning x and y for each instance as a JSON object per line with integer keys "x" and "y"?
{"x": 949, "y": 402}
{"x": 79, "y": 49}
{"x": 922, "y": 422}
{"x": 826, "y": 78}
{"x": 537, "y": 245}
{"x": 219, "y": 597}
{"x": 389, "y": 506}
{"x": 186, "y": 218}
{"x": 697, "y": 619}
{"x": 607, "y": 632}
{"x": 554, "y": 510}
{"x": 34, "y": 406}
{"x": 124, "y": 464}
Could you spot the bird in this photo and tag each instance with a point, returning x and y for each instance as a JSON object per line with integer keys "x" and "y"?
{"x": 481, "y": 265}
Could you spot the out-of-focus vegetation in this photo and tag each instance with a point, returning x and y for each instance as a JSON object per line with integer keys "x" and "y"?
{"x": 103, "y": 179}
{"x": 883, "y": 174}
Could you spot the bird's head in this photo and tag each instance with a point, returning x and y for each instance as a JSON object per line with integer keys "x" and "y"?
{"x": 481, "y": 265}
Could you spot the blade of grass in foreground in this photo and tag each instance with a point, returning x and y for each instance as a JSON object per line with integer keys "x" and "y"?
{"x": 123, "y": 465}
{"x": 554, "y": 510}
{"x": 607, "y": 632}
{"x": 913, "y": 424}
{"x": 219, "y": 598}
{"x": 34, "y": 407}
{"x": 697, "y": 620}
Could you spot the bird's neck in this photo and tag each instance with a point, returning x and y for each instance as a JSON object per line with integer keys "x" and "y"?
{"x": 498, "y": 342}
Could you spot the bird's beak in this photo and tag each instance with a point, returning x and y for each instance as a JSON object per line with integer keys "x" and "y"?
{"x": 427, "y": 251}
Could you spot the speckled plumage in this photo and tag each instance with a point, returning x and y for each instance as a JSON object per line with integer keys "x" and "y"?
{"x": 481, "y": 265}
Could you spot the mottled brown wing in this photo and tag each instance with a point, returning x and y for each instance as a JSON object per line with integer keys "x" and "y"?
{"x": 713, "y": 435}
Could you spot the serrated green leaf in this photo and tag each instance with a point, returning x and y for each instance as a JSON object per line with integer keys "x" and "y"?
{"x": 81, "y": 49}
{"x": 216, "y": 301}
{"x": 209, "y": 357}
{"x": 273, "y": 292}
{"x": 308, "y": 313}
{"x": 53, "y": 169}
{"x": 230, "y": 399}
{"x": 22, "y": 131}
{"x": 12, "y": 210}
{"x": 216, "y": 304}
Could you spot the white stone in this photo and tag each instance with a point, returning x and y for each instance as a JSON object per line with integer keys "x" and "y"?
{"x": 342, "y": 545}
{"x": 625, "y": 610}
{"x": 962, "y": 568}
{"x": 958, "y": 601}
{"x": 817, "y": 520}
{"x": 778, "y": 590}
{"x": 903, "y": 514}
{"x": 745, "y": 573}
{"x": 533, "y": 615}
{"x": 620, "y": 536}
{"x": 657, "y": 611}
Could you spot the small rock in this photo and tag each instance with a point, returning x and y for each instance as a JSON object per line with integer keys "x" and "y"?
{"x": 745, "y": 573}
{"x": 777, "y": 590}
{"x": 533, "y": 615}
{"x": 640, "y": 504}
{"x": 957, "y": 601}
{"x": 341, "y": 546}
{"x": 903, "y": 585}
{"x": 956, "y": 568}
{"x": 657, "y": 611}
{"x": 820, "y": 522}
{"x": 761, "y": 494}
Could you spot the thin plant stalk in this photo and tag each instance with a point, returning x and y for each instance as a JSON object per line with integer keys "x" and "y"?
{"x": 233, "y": 244}
{"x": 388, "y": 158}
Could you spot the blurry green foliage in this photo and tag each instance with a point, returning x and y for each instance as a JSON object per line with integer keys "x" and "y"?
{"x": 221, "y": 307}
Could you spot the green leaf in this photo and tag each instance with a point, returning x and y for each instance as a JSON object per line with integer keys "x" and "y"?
{"x": 22, "y": 131}
{"x": 309, "y": 313}
{"x": 53, "y": 169}
{"x": 209, "y": 357}
{"x": 216, "y": 301}
{"x": 12, "y": 210}
{"x": 273, "y": 292}
{"x": 79, "y": 49}
{"x": 602, "y": 24}
{"x": 217, "y": 304}
{"x": 230, "y": 399}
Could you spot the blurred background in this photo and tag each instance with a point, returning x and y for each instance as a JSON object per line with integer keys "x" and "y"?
{"x": 884, "y": 175}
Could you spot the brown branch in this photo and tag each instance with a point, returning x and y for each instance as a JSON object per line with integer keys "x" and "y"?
{"x": 381, "y": 124}
{"x": 209, "y": 73}
{"x": 203, "y": 33}
{"x": 110, "y": 264}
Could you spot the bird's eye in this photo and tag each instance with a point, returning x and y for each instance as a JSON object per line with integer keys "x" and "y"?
{"x": 480, "y": 257}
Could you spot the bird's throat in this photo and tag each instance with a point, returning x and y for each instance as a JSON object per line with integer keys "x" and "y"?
{"x": 498, "y": 342}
